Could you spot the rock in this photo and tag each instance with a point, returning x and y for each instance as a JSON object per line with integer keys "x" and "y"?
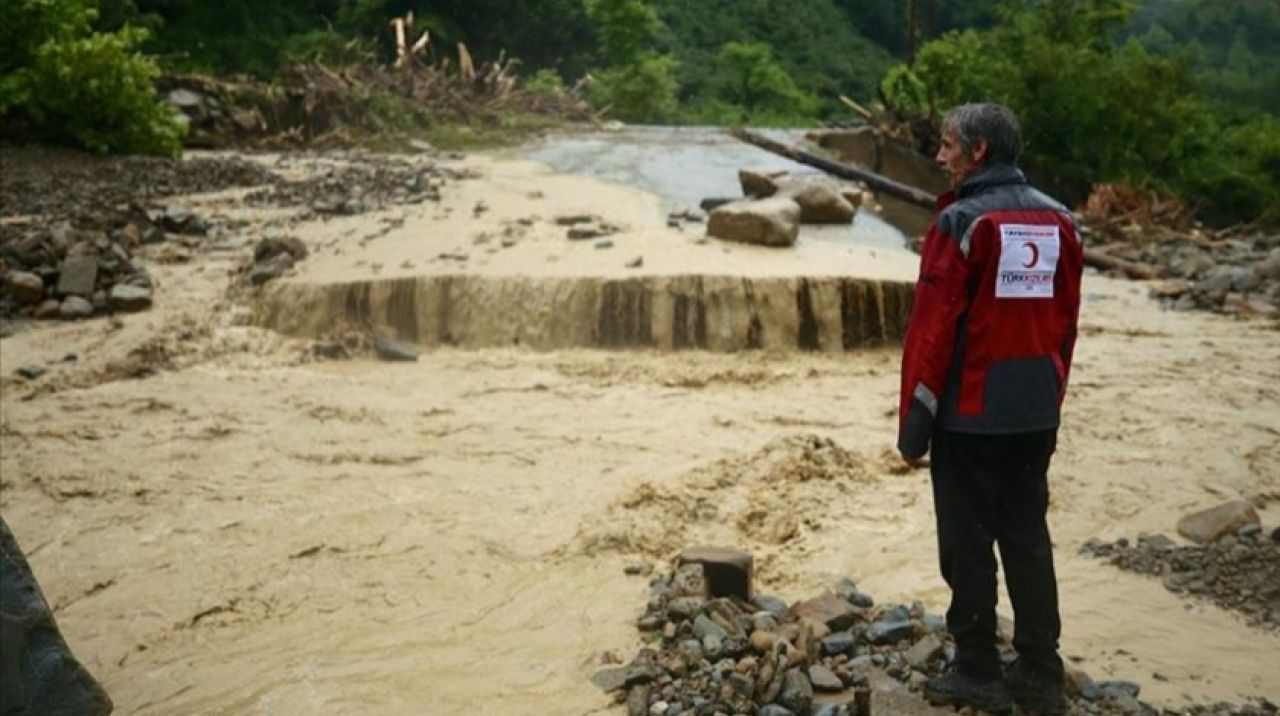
{"x": 330, "y": 350}
{"x": 129, "y": 299}
{"x": 176, "y": 218}
{"x": 1107, "y": 690}
{"x": 684, "y": 608}
{"x": 900, "y": 702}
{"x": 888, "y": 631}
{"x": 797, "y": 692}
{"x": 642, "y": 569}
{"x": 775, "y": 710}
{"x": 829, "y": 609}
{"x": 185, "y": 99}
{"x": 78, "y": 275}
{"x": 704, "y": 626}
{"x": 75, "y": 307}
{"x": 638, "y": 700}
{"x": 1227, "y": 518}
{"x": 30, "y": 372}
{"x": 763, "y": 641}
{"x": 637, "y": 262}
{"x": 47, "y": 309}
{"x": 572, "y": 219}
{"x": 760, "y": 183}
{"x": 269, "y": 270}
{"x": 835, "y": 703}
{"x": 775, "y": 606}
{"x": 392, "y": 350}
{"x": 1269, "y": 268}
{"x": 824, "y": 680}
{"x": 841, "y": 642}
{"x": 769, "y": 222}
{"x": 924, "y": 651}
{"x": 610, "y": 679}
{"x": 25, "y": 288}
{"x": 603, "y": 244}
{"x": 1076, "y": 681}
{"x": 819, "y": 202}
{"x": 852, "y": 194}
{"x": 582, "y": 232}
{"x": 726, "y": 571}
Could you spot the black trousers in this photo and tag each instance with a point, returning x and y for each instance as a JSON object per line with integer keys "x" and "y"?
{"x": 993, "y": 489}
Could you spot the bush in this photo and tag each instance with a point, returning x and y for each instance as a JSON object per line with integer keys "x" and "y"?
{"x": 1092, "y": 111}
{"x": 66, "y": 85}
{"x": 640, "y": 91}
{"x": 545, "y": 82}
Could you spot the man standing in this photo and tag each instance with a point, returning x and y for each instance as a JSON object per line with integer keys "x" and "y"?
{"x": 984, "y": 369}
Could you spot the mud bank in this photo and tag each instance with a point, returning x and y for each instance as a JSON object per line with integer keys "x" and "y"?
{"x": 717, "y": 313}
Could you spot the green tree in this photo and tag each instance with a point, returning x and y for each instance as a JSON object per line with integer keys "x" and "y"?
{"x": 1093, "y": 110}
{"x": 638, "y": 84}
{"x": 63, "y": 83}
{"x": 756, "y": 81}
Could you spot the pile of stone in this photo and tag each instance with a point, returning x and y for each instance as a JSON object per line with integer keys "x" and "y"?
{"x": 777, "y": 203}
{"x": 1231, "y": 562}
{"x": 716, "y": 648}
{"x": 1234, "y": 270}
{"x": 360, "y": 185}
{"x": 74, "y": 225}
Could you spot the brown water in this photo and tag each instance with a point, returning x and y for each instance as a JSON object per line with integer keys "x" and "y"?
{"x": 252, "y": 532}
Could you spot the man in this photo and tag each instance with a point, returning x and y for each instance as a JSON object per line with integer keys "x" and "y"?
{"x": 984, "y": 369}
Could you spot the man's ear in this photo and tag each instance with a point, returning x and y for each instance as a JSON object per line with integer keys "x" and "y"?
{"x": 979, "y": 156}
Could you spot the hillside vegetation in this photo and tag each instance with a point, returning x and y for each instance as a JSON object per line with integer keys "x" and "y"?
{"x": 1178, "y": 95}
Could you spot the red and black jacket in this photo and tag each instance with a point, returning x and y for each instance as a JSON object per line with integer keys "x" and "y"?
{"x": 993, "y": 323}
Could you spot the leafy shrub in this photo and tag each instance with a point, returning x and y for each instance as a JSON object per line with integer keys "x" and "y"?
{"x": 1091, "y": 111}
{"x": 641, "y": 91}
{"x": 64, "y": 84}
{"x": 545, "y": 81}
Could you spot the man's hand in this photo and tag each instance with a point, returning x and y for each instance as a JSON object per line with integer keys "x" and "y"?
{"x": 915, "y": 463}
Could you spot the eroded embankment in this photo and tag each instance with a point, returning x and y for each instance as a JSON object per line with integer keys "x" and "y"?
{"x": 718, "y": 313}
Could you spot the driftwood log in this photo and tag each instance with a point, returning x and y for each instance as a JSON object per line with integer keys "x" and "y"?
{"x": 1092, "y": 257}
{"x": 875, "y": 181}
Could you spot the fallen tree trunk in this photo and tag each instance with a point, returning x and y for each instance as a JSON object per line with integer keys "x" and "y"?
{"x": 1106, "y": 262}
{"x": 1092, "y": 257}
{"x": 877, "y": 182}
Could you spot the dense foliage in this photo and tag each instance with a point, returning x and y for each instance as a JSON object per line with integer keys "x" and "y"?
{"x": 1097, "y": 110}
{"x": 1177, "y": 94}
{"x": 60, "y": 82}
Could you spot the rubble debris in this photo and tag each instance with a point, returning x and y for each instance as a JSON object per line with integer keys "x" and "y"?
{"x": 311, "y": 104}
{"x": 1140, "y": 234}
{"x": 1239, "y": 571}
{"x": 727, "y": 655}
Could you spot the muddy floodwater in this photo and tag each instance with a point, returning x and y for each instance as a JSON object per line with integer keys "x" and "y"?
{"x": 225, "y": 524}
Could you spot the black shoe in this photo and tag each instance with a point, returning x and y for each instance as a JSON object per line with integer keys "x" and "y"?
{"x": 1036, "y": 693}
{"x": 959, "y": 689}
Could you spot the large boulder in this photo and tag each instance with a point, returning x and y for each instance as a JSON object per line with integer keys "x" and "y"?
{"x": 760, "y": 183}
{"x": 820, "y": 203}
{"x": 769, "y": 222}
{"x": 1217, "y": 522}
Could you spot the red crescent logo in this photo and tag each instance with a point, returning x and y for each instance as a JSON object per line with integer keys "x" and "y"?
{"x": 1035, "y": 254}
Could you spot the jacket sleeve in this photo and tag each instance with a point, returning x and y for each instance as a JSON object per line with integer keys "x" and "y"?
{"x": 941, "y": 297}
{"x": 1073, "y": 265}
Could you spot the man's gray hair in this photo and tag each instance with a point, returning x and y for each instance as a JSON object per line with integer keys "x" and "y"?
{"x": 992, "y": 122}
